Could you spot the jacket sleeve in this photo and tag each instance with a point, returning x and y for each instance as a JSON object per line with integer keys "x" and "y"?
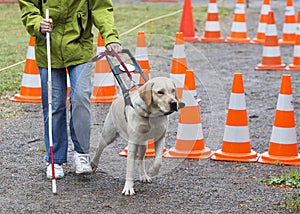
{"x": 31, "y": 16}
{"x": 103, "y": 19}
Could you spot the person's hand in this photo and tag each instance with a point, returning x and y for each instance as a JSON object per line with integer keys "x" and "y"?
{"x": 46, "y": 26}
{"x": 114, "y": 46}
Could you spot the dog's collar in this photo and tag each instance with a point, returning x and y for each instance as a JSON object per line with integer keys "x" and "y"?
{"x": 142, "y": 111}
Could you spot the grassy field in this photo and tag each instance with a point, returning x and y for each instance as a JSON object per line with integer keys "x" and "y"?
{"x": 14, "y": 39}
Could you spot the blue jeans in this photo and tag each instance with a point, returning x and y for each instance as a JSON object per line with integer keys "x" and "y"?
{"x": 80, "y": 121}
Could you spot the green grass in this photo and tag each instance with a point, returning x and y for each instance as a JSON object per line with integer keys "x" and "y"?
{"x": 14, "y": 38}
{"x": 290, "y": 180}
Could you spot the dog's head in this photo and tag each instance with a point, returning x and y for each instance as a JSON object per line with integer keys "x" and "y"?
{"x": 159, "y": 94}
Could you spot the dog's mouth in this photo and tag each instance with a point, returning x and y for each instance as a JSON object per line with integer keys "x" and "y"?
{"x": 174, "y": 106}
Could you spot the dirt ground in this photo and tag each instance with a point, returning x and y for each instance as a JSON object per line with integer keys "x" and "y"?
{"x": 183, "y": 185}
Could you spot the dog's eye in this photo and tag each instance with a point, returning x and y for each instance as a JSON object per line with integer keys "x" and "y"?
{"x": 161, "y": 92}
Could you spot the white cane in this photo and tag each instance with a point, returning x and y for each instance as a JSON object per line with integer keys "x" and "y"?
{"x": 54, "y": 191}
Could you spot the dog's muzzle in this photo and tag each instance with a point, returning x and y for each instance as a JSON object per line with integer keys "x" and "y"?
{"x": 175, "y": 106}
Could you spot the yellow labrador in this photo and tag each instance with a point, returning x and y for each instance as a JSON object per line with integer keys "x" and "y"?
{"x": 146, "y": 119}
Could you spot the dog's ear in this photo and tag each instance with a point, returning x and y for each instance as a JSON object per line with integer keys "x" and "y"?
{"x": 146, "y": 93}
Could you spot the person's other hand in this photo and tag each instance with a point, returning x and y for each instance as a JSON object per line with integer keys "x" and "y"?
{"x": 114, "y": 46}
{"x": 46, "y": 26}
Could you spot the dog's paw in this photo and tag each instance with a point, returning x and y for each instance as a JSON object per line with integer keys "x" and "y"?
{"x": 145, "y": 178}
{"x": 154, "y": 171}
{"x": 94, "y": 166}
{"x": 128, "y": 188}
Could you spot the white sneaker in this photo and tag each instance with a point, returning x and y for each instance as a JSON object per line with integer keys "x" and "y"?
{"x": 82, "y": 163}
{"x": 58, "y": 171}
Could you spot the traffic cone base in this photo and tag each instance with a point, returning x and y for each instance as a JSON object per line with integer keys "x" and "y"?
{"x": 270, "y": 67}
{"x": 208, "y": 39}
{"x": 273, "y": 159}
{"x": 293, "y": 67}
{"x": 192, "y": 154}
{"x": 237, "y": 40}
{"x": 150, "y": 152}
{"x": 251, "y": 156}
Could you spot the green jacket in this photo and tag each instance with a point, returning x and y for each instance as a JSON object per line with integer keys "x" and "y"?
{"x": 72, "y": 37}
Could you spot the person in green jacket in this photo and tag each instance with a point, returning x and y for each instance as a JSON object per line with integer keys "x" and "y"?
{"x": 71, "y": 44}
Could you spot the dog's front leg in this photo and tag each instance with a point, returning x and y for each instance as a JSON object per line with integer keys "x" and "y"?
{"x": 159, "y": 145}
{"x": 128, "y": 188}
{"x": 141, "y": 161}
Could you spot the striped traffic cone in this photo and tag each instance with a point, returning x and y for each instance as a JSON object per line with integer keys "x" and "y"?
{"x": 289, "y": 25}
{"x": 141, "y": 52}
{"x": 187, "y": 23}
{"x": 104, "y": 88}
{"x": 238, "y": 32}
{"x": 190, "y": 82}
{"x": 236, "y": 139}
{"x": 263, "y": 19}
{"x": 30, "y": 90}
{"x": 179, "y": 64}
{"x": 212, "y": 31}
{"x": 296, "y": 59}
{"x": 189, "y": 141}
{"x": 271, "y": 59}
{"x": 141, "y": 56}
{"x": 283, "y": 148}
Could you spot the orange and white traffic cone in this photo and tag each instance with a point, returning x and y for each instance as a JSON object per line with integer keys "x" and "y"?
{"x": 289, "y": 25}
{"x": 296, "y": 59}
{"x": 190, "y": 82}
{"x": 141, "y": 51}
{"x": 187, "y": 23}
{"x": 238, "y": 32}
{"x": 141, "y": 56}
{"x": 283, "y": 148}
{"x": 189, "y": 140}
{"x": 212, "y": 31}
{"x": 179, "y": 64}
{"x": 271, "y": 59}
{"x": 30, "y": 90}
{"x": 263, "y": 19}
{"x": 104, "y": 88}
{"x": 236, "y": 140}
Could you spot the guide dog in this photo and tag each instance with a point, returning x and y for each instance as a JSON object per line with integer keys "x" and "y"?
{"x": 146, "y": 119}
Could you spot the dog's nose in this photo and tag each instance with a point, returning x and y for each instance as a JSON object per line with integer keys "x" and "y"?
{"x": 173, "y": 105}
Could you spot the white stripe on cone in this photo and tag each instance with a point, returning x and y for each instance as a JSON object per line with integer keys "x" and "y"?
{"x": 30, "y": 53}
{"x": 237, "y": 101}
{"x": 285, "y": 102}
{"x": 190, "y": 131}
{"x": 239, "y": 27}
{"x": 212, "y": 26}
{"x": 178, "y": 79}
{"x": 103, "y": 79}
{"x": 238, "y": 134}
{"x": 31, "y": 81}
{"x": 283, "y": 135}
{"x": 179, "y": 51}
{"x": 271, "y": 51}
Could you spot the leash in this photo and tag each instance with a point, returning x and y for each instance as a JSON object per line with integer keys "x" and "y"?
{"x": 107, "y": 53}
